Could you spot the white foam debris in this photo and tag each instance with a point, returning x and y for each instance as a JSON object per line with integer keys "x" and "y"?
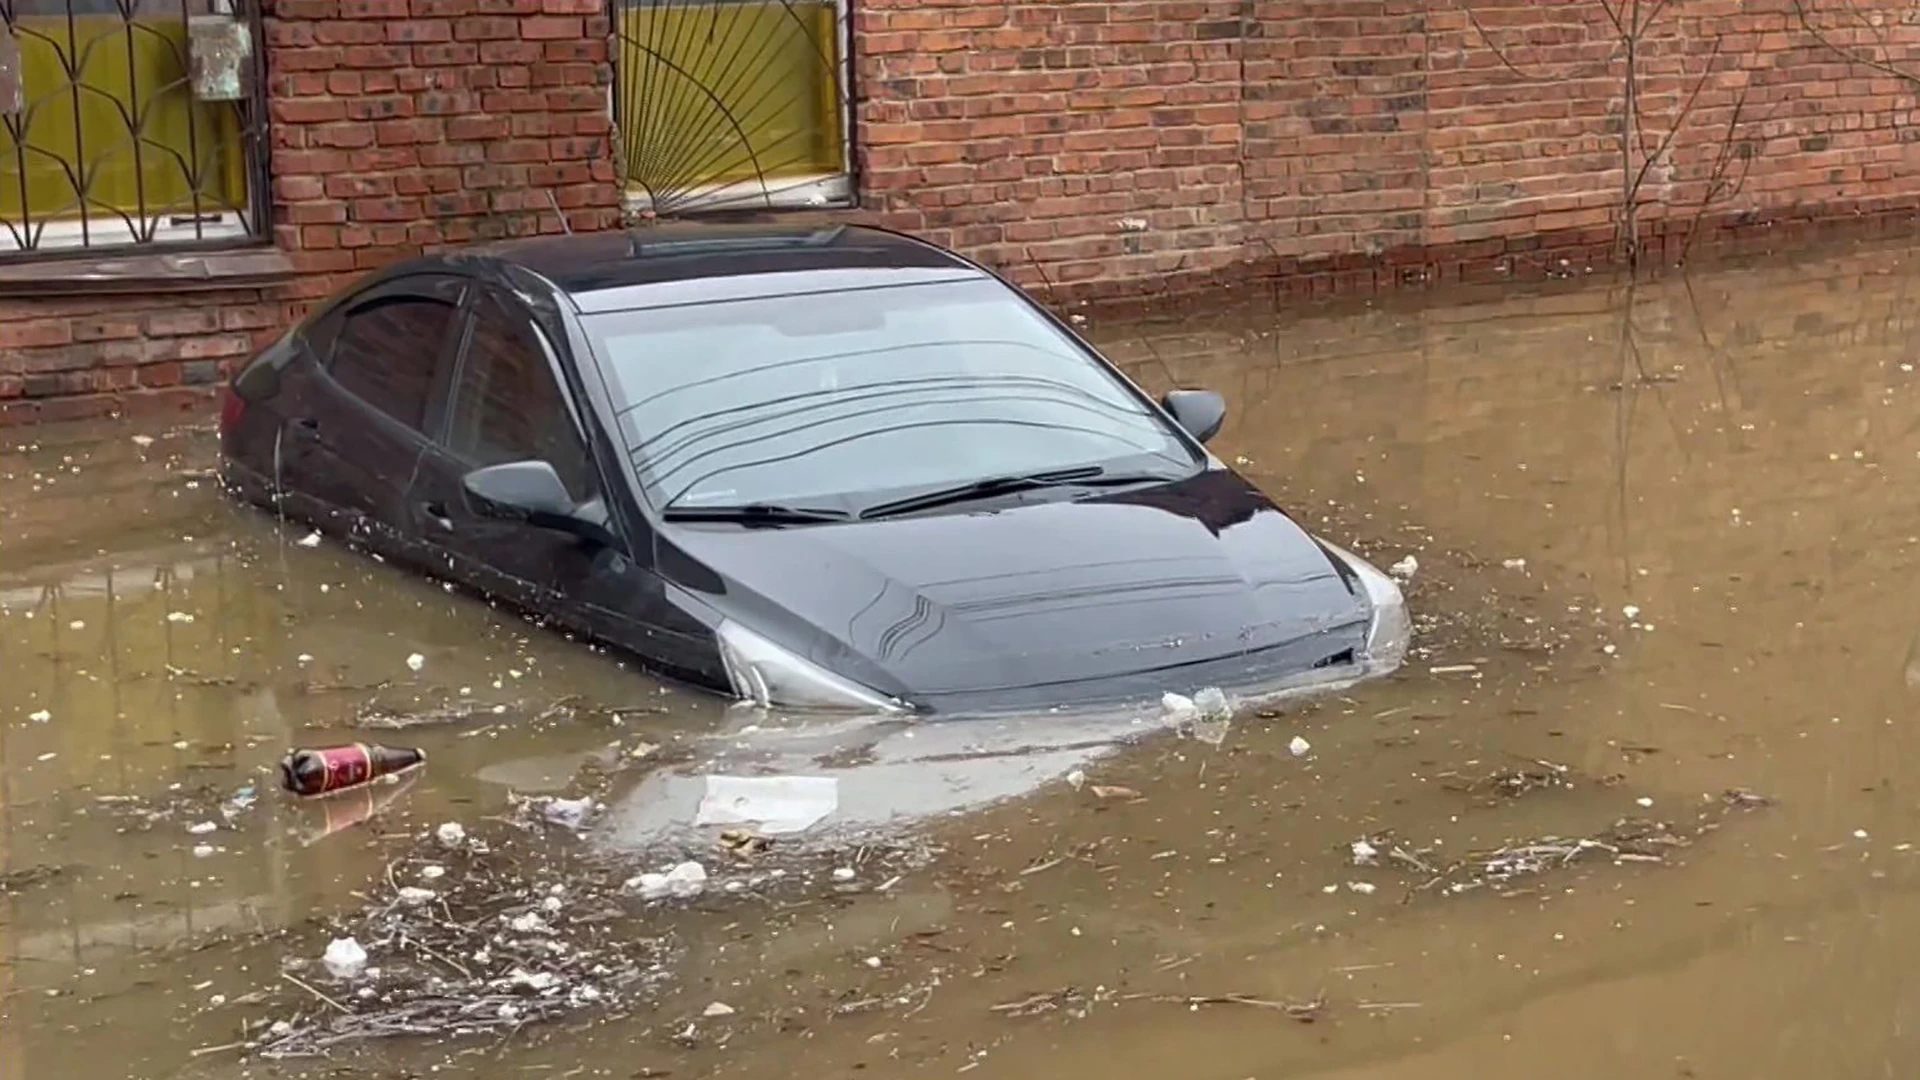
{"x": 685, "y": 880}
{"x": 344, "y": 958}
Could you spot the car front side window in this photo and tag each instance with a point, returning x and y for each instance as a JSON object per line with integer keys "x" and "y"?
{"x": 385, "y": 353}
{"x": 508, "y": 404}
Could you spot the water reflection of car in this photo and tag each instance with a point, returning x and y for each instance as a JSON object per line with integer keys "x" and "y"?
{"x": 819, "y": 468}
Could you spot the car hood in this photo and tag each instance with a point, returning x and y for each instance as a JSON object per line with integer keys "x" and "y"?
{"x": 1054, "y": 591}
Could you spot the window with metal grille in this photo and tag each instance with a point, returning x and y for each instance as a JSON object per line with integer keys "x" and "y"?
{"x": 733, "y": 104}
{"x": 128, "y": 122}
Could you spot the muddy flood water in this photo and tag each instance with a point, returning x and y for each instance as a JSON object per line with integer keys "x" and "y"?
{"x": 1636, "y": 806}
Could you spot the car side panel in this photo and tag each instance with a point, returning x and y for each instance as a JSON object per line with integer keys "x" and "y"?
{"x": 343, "y": 462}
{"x": 600, "y": 592}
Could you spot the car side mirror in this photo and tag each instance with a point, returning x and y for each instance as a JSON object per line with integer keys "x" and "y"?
{"x": 531, "y": 491}
{"x": 1201, "y": 412}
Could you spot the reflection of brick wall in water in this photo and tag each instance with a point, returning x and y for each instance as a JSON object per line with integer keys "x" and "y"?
{"x": 1764, "y": 384}
{"x": 144, "y": 708}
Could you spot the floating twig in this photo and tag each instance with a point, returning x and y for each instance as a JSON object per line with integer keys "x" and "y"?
{"x": 316, "y": 992}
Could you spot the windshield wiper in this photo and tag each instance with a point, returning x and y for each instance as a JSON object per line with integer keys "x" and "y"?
{"x": 992, "y": 486}
{"x": 768, "y": 514}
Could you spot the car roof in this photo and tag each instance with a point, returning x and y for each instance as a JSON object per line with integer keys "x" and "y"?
{"x": 676, "y": 263}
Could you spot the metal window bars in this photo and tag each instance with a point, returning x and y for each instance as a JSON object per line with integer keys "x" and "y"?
{"x": 733, "y": 104}
{"x": 129, "y": 123}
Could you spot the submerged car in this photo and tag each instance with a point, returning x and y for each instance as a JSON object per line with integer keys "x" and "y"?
{"x": 816, "y": 468}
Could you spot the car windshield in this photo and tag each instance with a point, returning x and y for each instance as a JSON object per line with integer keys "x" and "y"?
{"x": 845, "y": 397}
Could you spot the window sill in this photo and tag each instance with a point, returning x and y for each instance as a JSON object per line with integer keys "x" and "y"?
{"x": 826, "y": 191}
{"x": 146, "y": 272}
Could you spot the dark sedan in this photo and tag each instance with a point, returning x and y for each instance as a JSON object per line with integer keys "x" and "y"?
{"x": 817, "y": 468}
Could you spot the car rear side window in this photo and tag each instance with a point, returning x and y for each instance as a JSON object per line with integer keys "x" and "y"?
{"x": 386, "y": 351}
{"x": 508, "y": 404}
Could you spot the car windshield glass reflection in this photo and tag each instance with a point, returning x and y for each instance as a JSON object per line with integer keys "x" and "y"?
{"x": 846, "y": 396}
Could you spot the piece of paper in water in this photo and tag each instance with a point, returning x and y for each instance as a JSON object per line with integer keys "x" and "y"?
{"x": 774, "y": 804}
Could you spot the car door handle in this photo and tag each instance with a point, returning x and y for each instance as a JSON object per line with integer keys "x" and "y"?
{"x": 308, "y": 424}
{"x": 436, "y": 512}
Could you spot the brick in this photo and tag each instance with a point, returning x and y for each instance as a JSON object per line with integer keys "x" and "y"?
{"x": 29, "y": 334}
{"x": 551, "y": 28}
{"x": 182, "y": 321}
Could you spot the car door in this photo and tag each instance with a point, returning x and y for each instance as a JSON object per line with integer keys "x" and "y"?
{"x": 358, "y": 428}
{"x": 505, "y": 403}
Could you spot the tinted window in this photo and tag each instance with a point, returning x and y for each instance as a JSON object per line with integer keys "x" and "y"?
{"x": 386, "y": 352}
{"x": 508, "y": 406}
{"x": 853, "y": 394}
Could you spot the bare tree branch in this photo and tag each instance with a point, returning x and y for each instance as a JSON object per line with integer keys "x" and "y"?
{"x": 1499, "y": 53}
{"x": 1614, "y": 17}
{"x": 1679, "y": 120}
{"x": 1851, "y": 56}
{"x": 1717, "y": 187}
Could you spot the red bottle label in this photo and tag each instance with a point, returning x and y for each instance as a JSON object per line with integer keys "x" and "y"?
{"x": 346, "y": 766}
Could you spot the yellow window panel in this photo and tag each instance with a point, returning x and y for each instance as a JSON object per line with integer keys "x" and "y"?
{"x": 741, "y": 95}
{"x": 110, "y": 125}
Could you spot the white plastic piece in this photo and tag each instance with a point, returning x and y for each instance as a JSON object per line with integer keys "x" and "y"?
{"x": 344, "y": 958}
{"x": 1178, "y": 708}
{"x": 452, "y": 834}
{"x": 1212, "y": 703}
{"x": 567, "y": 813}
{"x": 1299, "y": 747}
{"x": 772, "y": 804}
{"x": 685, "y": 880}
{"x": 416, "y": 661}
{"x": 538, "y": 982}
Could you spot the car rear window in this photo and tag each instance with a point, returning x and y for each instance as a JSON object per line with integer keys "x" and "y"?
{"x": 845, "y": 396}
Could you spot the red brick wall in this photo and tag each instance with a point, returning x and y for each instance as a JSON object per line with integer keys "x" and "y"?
{"x": 1090, "y": 148}
{"x": 1360, "y": 144}
{"x": 400, "y": 125}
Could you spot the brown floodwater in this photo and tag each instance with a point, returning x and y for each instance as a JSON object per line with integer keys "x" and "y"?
{"x": 1664, "y": 555}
